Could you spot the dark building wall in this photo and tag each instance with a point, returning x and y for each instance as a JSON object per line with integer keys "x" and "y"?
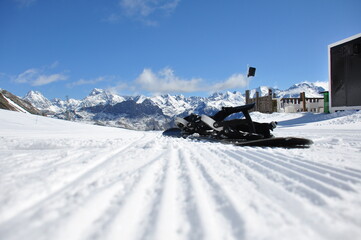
{"x": 345, "y": 73}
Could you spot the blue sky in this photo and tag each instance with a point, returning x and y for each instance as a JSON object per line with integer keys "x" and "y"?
{"x": 68, "y": 47}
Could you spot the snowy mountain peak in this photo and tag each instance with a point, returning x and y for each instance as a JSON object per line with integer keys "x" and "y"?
{"x": 311, "y": 90}
{"x": 101, "y": 97}
{"x": 38, "y": 100}
{"x": 302, "y": 85}
{"x": 96, "y": 91}
{"x": 35, "y": 95}
{"x": 139, "y": 99}
{"x": 216, "y": 95}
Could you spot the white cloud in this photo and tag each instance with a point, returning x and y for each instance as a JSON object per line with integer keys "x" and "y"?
{"x": 27, "y": 76}
{"x": 135, "y": 7}
{"x": 54, "y": 65}
{"x": 235, "y": 81}
{"x": 120, "y": 87}
{"x": 90, "y": 81}
{"x": 24, "y": 3}
{"x": 165, "y": 81}
{"x": 46, "y": 79}
{"x": 112, "y": 18}
{"x": 146, "y": 10}
{"x": 40, "y": 76}
{"x": 147, "y": 7}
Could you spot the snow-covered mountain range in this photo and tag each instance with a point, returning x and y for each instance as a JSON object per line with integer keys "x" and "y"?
{"x": 152, "y": 113}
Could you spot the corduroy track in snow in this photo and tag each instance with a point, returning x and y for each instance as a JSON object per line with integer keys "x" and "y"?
{"x": 154, "y": 187}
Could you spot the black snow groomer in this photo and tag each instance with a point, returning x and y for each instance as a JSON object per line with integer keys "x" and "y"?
{"x": 240, "y": 132}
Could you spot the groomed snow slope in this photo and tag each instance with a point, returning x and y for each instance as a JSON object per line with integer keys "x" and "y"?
{"x": 64, "y": 180}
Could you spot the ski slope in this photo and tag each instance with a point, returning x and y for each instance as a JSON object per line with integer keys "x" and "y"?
{"x": 65, "y": 180}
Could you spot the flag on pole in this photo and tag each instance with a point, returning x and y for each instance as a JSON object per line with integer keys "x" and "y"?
{"x": 251, "y": 72}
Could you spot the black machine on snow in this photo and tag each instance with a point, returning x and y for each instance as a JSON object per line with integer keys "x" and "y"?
{"x": 240, "y": 132}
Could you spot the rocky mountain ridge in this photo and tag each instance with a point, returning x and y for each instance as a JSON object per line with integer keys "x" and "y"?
{"x": 11, "y": 102}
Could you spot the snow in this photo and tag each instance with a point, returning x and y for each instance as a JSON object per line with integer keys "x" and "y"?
{"x": 40, "y": 102}
{"x": 100, "y": 97}
{"x": 171, "y": 105}
{"x": 262, "y": 90}
{"x": 66, "y": 180}
{"x": 324, "y": 85}
{"x": 16, "y": 106}
{"x": 312, "y": 90}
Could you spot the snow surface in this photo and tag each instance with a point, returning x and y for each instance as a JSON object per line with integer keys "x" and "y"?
{"x": 65, "y": 180}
